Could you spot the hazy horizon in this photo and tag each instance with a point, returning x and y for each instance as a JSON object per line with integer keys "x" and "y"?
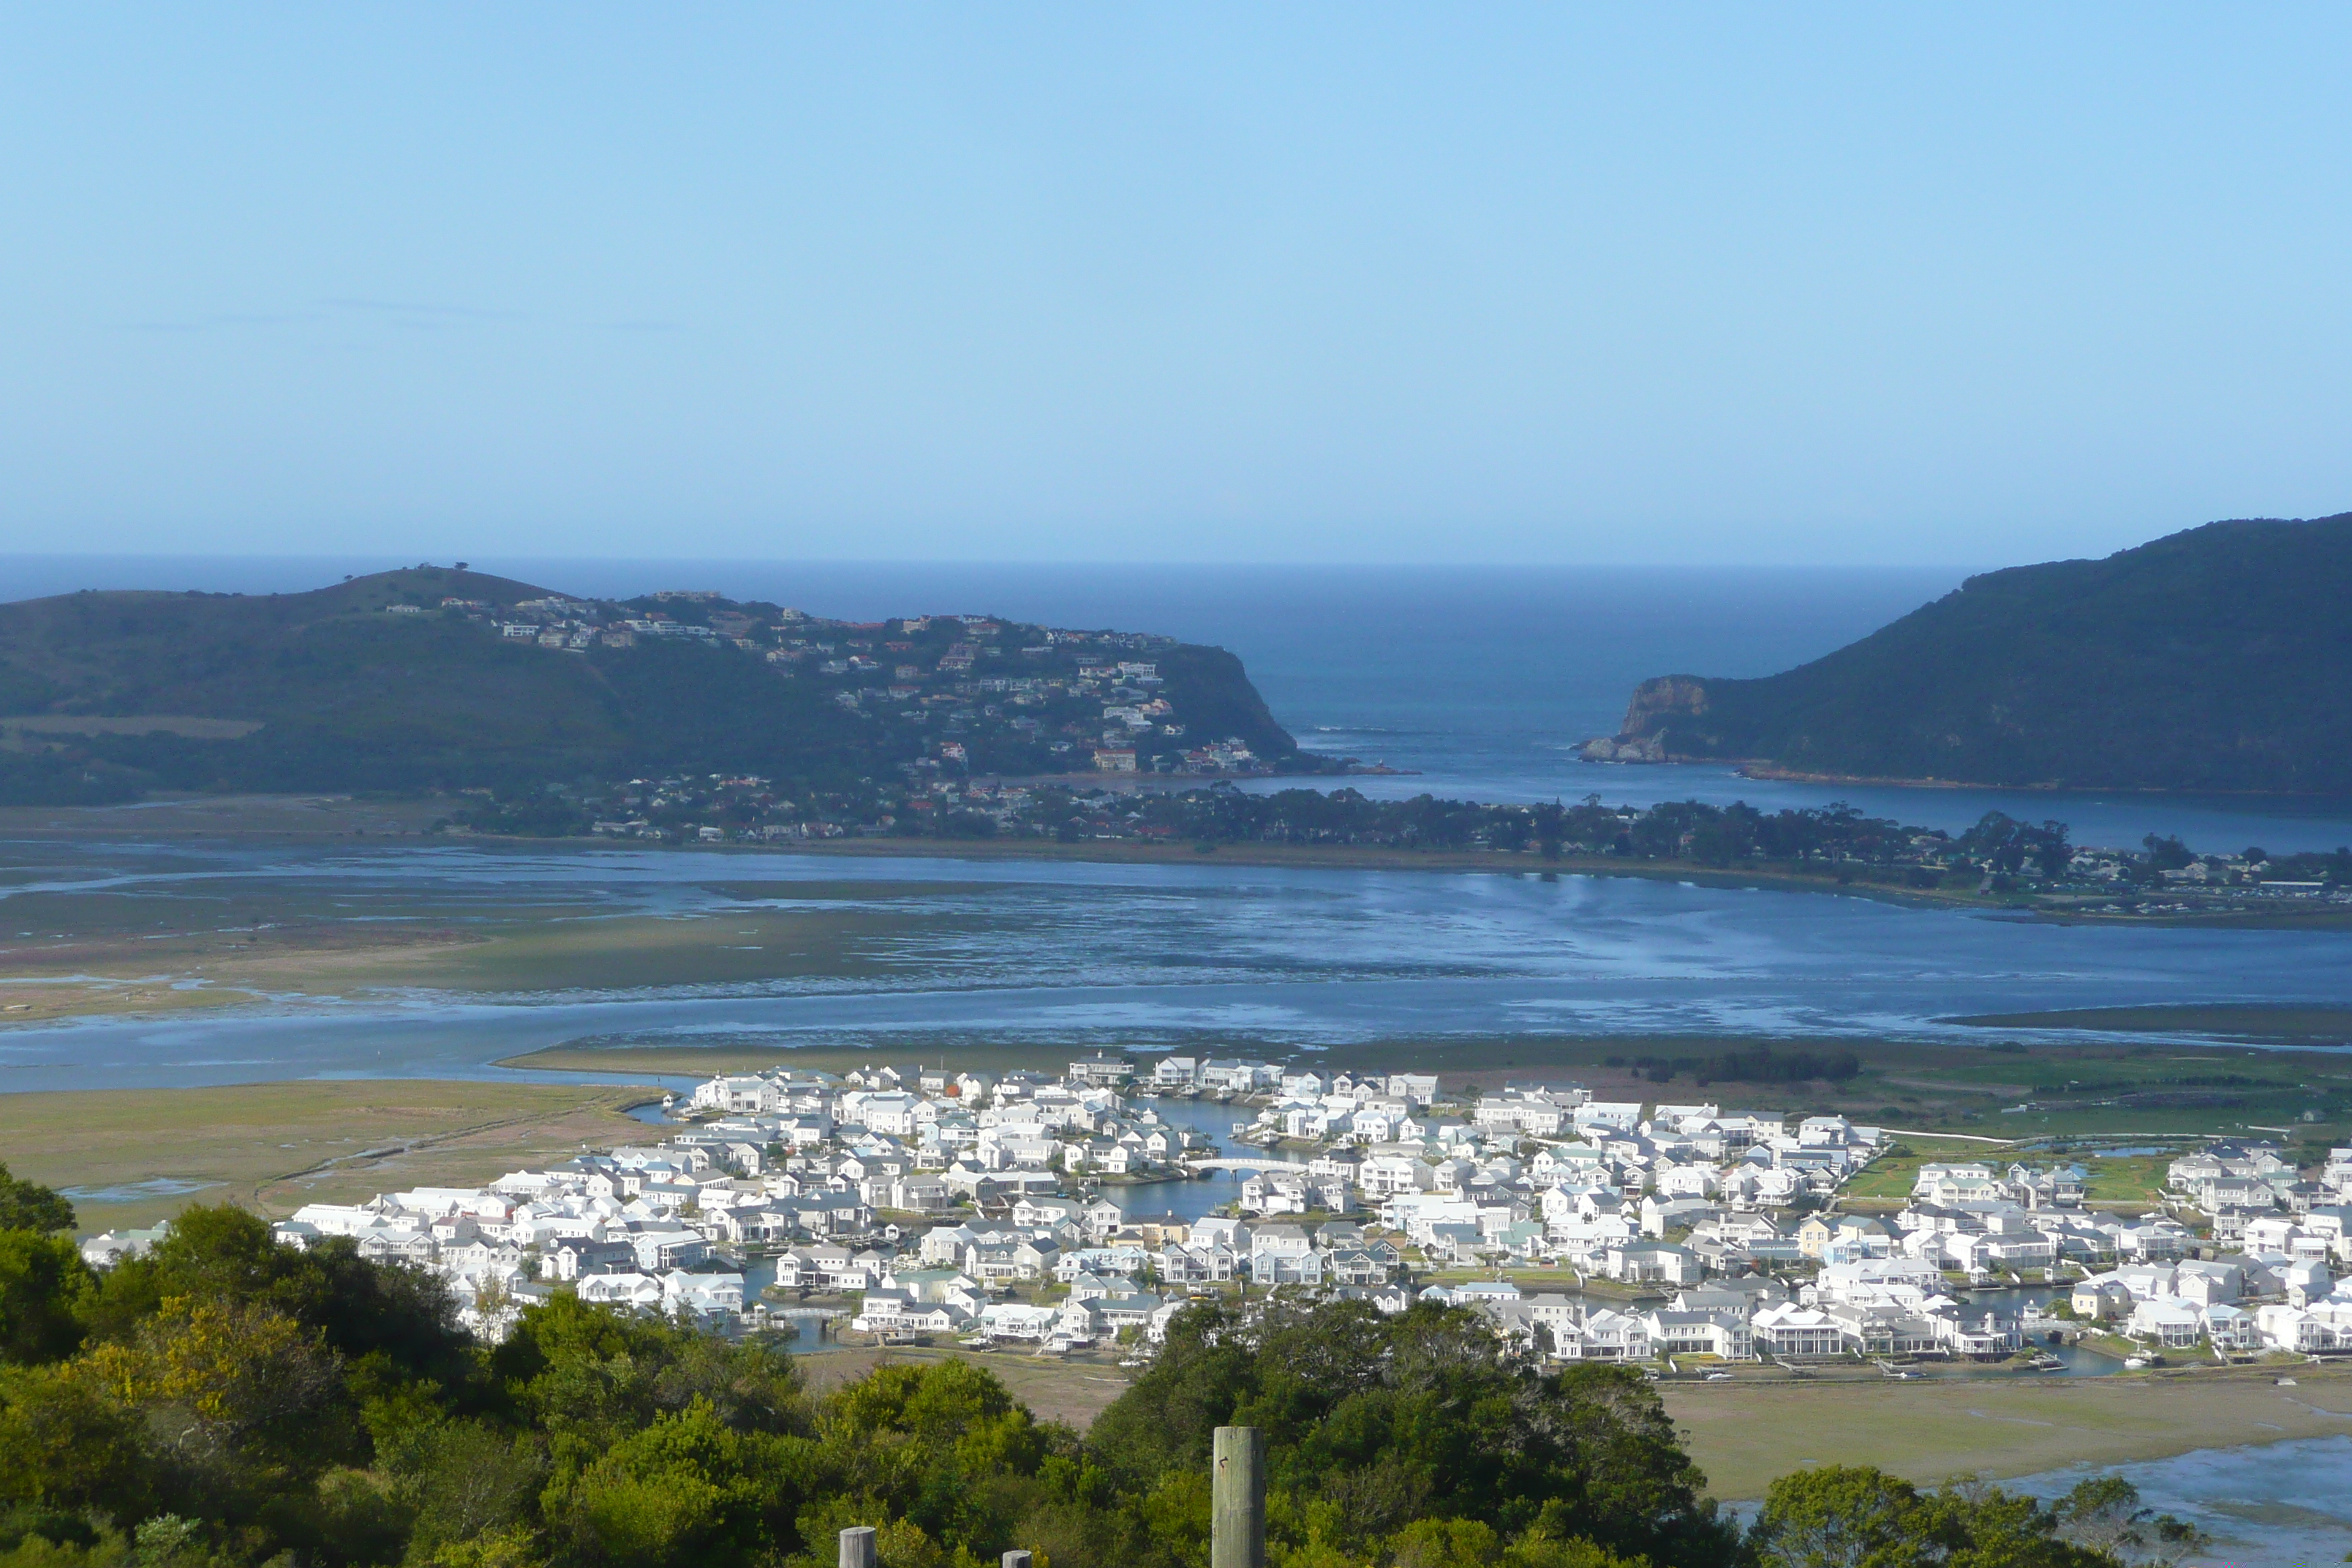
{"x": 855, "y": 589}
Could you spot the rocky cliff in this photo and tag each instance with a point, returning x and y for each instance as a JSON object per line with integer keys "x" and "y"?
{"x": 1666, "y": 707}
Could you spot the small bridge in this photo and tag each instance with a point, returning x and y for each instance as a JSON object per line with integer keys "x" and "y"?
{"x": 1244, "y": 1166}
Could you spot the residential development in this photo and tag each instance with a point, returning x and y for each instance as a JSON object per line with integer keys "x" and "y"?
{"x": 1089, "y": 1209}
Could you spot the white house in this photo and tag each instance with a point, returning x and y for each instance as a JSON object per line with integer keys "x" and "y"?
{"x": 1605, "y": 1334}
{"x": 2172, "y": 1323}
{"x": 1786, "y": 1329}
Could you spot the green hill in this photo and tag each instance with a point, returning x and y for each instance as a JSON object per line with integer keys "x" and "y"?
{"x": 434, "y": 677}
{"x": 2219, "y": 659}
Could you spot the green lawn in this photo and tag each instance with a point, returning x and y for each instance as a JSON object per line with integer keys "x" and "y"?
{"x": 2138, "y": 1178}
{"x": 1891, "y": 1177}
{"x": 2135, "y": 1179}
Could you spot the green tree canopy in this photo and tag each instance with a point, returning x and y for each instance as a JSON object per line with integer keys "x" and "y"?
{"x": 226, "y": 1402}
{"x": 28, "y": 1205}
{"x": 1374, "y": 1423}
{"x": 1856, "y": 1515}
{"x": 44, "y": 1289}
{"x": 400, "y": 1321}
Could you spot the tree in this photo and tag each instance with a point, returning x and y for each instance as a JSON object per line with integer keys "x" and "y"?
{"x": 1445, "y": 1543}
{"x": 391, "y": 1316}
{"x": 462, "y": 1480}
{"x": 1375, "y": 1424}
{"x": 2006, "y": 845}
{"x": 65, "y": 1445}
{"x": 1856, "y": 1515}
{"x": 587, "y": 1375}
{"x": 686, "y": 1489}
{"x": 227, "y": 1388}
{"x": 2104, "y": 1514}
{"x": 28, "y": 1205}
{"x": 1840, "y": 1516}
{"x": 252, "y": 1403}
{"x": 945, "y": 1447}
{"x": 44, "y": 1289}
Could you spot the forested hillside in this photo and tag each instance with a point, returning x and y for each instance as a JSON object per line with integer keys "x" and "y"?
{"x": 435, "y": 678}
{"x": 2215, "y": 659}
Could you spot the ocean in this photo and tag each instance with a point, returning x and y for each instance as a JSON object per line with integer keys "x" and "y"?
{"x": 1481, "y": 681}
{"x": 1478, "y": 680}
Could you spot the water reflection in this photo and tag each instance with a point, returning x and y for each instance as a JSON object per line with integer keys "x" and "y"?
{"x": 1189, "y": 1198}
{"x": 1080, "y": 953}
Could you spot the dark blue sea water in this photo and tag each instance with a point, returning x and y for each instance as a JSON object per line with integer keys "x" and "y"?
{"x": 1482, "y": 681}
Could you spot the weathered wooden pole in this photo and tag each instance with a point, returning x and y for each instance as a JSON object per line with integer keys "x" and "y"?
{"x": 858, "y": 1548}
{"x": 1237, "y": 1500}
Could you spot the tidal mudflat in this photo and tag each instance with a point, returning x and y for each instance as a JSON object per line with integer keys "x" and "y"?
{"x": 132, "y": 1157}
{"x": 1929, "y": 1431}
{"x": 175, "y": 962}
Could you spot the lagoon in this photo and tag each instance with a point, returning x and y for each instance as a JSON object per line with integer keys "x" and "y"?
{"x": 931, "y": 951}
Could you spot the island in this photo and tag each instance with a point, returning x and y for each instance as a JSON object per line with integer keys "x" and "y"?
{"x": 2212, "y": 660}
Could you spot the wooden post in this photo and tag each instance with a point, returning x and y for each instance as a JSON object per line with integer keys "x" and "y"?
{"x": 1016, "y": 1560}
{"x": 858, "y": 1548}
{"x": 1237, "y": 1500}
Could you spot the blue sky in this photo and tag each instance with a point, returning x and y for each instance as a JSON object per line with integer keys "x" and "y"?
{"x": 1792, "y": 284}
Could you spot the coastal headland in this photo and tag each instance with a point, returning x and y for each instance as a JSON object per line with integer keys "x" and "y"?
{"x": 2046, "y": 676}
